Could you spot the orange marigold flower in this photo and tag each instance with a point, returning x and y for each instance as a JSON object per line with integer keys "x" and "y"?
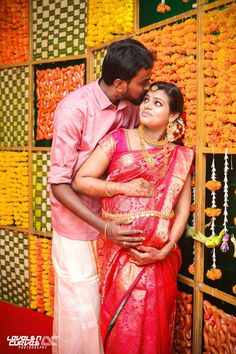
{"x": 191, "y": 269}
{"x": 162, "y": 8}
{"x": 213, "y": 185}
{"x": 192, "y": 208}
{"x": 193, "y": 182}
{"x": 234, "y": 289}
{"x": 213, "y": 212}
{"x": 214, "y": 274}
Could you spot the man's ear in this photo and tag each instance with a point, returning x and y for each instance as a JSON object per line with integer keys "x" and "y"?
{"x": 119, "y": 84}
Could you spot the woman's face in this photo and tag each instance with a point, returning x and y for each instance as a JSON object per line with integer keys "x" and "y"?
{"x": 155, "y": 110}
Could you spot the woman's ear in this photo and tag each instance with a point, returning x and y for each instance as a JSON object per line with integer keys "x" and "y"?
{"x": 173, "y": 117}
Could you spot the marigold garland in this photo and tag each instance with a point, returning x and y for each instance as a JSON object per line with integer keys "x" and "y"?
{"x": 14, "y": 201}
{"x": 14, "y": 46}
{"x": 42, "y": 279}
{"x": 52, "y": 86}
{"x": 109, "y": 19}
{"x": 219, "y": 74}
{"x": 175, "y": 48}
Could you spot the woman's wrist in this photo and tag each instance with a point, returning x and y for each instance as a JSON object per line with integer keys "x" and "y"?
{"x": 173, "y": 243}
{"x": 112, "y": 188}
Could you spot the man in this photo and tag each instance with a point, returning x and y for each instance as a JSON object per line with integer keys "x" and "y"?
{"x": 81, "y": 120}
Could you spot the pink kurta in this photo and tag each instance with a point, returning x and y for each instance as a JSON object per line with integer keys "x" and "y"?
{"x": 81, "y": 120}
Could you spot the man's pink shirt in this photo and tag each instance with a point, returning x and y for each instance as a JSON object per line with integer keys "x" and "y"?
{"x": 81, "y": 119}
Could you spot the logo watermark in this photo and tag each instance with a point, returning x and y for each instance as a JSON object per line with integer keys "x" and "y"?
{"x": 32, "y": 342}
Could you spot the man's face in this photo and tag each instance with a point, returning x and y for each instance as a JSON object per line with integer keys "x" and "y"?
{"x": 136, "y": 88}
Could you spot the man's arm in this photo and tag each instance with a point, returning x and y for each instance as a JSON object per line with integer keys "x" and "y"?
{"x": 117, "y": 232}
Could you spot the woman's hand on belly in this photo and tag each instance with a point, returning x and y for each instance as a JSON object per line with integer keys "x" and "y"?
{"x": 146, "y": 255}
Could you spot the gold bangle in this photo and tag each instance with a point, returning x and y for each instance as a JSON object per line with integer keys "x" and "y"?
{"x": 174, "y": 243}
{"x": 106, "y": 190}
{"x": 105, "y": 229}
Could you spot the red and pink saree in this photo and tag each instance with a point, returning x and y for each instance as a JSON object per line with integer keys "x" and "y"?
{"x": 138, "y": 302}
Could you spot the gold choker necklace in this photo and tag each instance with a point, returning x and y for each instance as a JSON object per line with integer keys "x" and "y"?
{"x": 150, "y": 141}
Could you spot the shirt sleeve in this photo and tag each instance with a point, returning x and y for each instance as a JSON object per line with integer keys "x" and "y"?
{"x": 108, "y": 144}
{"x": 67, "y": 134}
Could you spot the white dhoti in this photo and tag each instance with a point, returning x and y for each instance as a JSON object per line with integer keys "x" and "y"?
{"x": 77, "y": 301}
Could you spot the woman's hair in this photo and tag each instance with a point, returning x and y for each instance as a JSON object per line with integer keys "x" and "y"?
{"x": 175, "y": 96}
{"x": 124, "y": 59}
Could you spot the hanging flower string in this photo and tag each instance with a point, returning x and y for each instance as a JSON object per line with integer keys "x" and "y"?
{"x": 213, "y": 212}
{"x": 224, "y": 246}
{"x": 192, "y": 209}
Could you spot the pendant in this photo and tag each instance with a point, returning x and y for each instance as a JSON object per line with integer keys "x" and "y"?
{"x": 150, "y": 161}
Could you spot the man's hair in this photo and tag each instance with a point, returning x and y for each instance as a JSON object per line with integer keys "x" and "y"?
{"x": 124, "y": 59}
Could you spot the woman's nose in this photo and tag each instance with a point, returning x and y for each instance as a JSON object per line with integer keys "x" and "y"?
{"x": 147, "y": 104}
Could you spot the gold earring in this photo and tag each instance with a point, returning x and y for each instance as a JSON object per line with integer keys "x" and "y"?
{"x": 169, "y": 131}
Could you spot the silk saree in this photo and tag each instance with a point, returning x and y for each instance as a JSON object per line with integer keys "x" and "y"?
{"x": 138, "y": 302}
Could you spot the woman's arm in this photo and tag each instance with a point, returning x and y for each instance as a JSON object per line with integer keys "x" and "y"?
{"x": 87, "y": 179}
{"x": 148, "y": 255}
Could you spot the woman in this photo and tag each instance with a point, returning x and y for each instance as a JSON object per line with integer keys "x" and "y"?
{"x": 139, "y": 285}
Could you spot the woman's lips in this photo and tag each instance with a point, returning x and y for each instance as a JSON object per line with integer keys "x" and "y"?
{"x": 146, "y": 114}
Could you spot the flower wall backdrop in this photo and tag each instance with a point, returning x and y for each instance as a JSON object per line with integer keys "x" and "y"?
{"x": 109, "y": 19}
{"x": 14, "y": 16}
{"x": 175, "y": 49}
{"x": 220, "y": 76}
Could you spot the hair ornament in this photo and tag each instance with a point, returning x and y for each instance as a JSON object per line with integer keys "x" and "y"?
{"x": 154, "y": 88}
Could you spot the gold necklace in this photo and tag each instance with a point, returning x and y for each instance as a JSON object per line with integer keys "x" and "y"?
{"x": 150, "y": 160}
{"x": 150, "y": 141}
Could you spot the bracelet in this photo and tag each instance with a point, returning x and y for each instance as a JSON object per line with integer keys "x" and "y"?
{"x": 105, "y": 229}
{"x": 106, "y": 191}
{"x": 174, "y": 243}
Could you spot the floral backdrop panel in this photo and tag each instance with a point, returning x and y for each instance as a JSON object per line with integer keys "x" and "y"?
{"x": 175, "y": 48}
{"x": 183, "y": 323}
{"x": 59, "y": 28}
{"x": 109, "y": 19}
{"x": 14, "y": 267}
{"x": 41, "y": 275}
{"x": 14, "y": 95}
{"x": 218, "y": 331}
{"x": 14, "y": 185}
{"x": 52, "y": 85}
{"x": 41, "y": 203}
{"x": 219, "y": 43}
{"x": 14, "y": 17}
